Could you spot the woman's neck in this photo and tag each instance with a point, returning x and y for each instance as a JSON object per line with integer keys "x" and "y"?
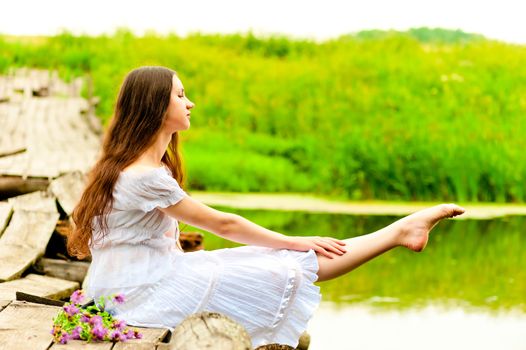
{"x": 154, "y": 154}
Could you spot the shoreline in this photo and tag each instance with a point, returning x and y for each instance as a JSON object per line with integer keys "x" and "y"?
{"x": 310, "y": 203}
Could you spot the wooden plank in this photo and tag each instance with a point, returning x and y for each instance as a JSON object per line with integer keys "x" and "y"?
{"x": 15, "y": 185}
{"x": 30, "y": 228}
{"x": 35, "y": 201}
{"x": 42, "y": 286}
{"x": 42, "y": 147}
{"x": 15, "y": 260}
{"x": 82, "y": 344}
{"x": 68, "y": 190}
{"x": 4, "y": 303}
{"x": 24, "y": 241}
{"x": 133, "y": 345}
{"x": 13, "y": 138}
{"x": 38, "y": 300}
{"x": 6, "y": 210}
{"x": 150, "y": 337}
{"x": 45, "y": 137}
{"x": 67, "y": 270}
{"x": 59, "y": 134}
{"x": 15, "y": 165}
{"x": 26, "y": 326}
{"x": 5, "y": 89}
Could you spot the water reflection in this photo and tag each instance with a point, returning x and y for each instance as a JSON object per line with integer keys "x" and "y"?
{"x": 467, "y": 290}
{"x": 432, "y": 327}
{"x": 467, "y": 263}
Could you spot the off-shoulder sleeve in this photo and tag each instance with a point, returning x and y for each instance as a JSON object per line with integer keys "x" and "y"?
{"x": 156, "y": 189}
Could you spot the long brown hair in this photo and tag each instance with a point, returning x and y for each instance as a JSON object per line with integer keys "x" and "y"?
{"x": 140, "y": 111}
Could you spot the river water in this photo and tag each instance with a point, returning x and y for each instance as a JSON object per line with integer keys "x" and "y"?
{"x": 430, "y": 328}
{"x": 466, "y": 290}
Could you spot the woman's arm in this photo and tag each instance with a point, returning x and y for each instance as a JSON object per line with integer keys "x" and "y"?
{"x": 238, "y": 229}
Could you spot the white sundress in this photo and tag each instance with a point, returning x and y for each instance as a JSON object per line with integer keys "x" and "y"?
{"x": 269, "y": 291}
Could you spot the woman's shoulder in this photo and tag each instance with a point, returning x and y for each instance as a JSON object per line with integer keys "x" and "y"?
{"x": 141, "y": 177}
{"x": 142, "y": 172}
{"x": 135, "y": 169}
{"x": 146, "y": 187}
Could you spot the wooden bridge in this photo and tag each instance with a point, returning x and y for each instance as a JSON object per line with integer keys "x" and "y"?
{"x": 48, "y": 129}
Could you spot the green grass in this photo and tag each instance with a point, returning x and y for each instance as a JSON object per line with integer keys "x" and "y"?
{"x": 421, "y": 115}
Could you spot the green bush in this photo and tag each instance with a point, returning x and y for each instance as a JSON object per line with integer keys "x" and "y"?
{"x": 428, "y": 114}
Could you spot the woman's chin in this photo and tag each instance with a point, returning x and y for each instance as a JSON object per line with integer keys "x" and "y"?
{"x": 182, "y": 127}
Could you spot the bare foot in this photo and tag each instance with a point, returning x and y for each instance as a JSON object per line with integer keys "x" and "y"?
{"x": 414, "y": 229}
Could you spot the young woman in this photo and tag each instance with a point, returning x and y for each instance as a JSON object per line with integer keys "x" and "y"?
{"x": 127, "y": 221}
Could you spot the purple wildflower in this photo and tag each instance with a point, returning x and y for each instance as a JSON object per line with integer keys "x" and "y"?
{"x": 85, "y": 318}
{"x": 96, "y": 320}
{"x": 99, "y": 331}
{"x": 117, "y": 335}
{"x": 77, "y": 296}
{"x": 71, "y": 310}
{"x": 65, "y": 338}
{"x": 119, "y": 324}
{"x": 119, "y": 298}
{"x": 128, "y": 334}
{"x": 75, "y": 334}
{"x": 137, "y": 335}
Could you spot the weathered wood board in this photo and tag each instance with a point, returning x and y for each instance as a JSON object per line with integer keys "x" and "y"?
{"x": 34, "y": 201}
{"x": 24, "y": 241}
{"x": 78, "y": 344}
{"x": 57, "y": 139}
{"x": 150, "y": 337}
{"x": 134, "y": 346}
{"x": 15, "y": 185}
{"x": 21, "y": 83}
{"x": 42, "y": 286}
{"x": 4, "y": 303}
{"x": 26, "y": 326}
{"x": 13, "y": 138}
{"x": 68, "y": 190}
{"x": 68, "y": 270}
{"x": 48, "y": 129}
{"x": 6, "y": 209}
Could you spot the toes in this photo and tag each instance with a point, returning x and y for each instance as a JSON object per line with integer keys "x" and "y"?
{"x": 452, "y": 210}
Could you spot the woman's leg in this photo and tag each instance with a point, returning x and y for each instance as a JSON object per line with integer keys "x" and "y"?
{"x": 411, "y": 232}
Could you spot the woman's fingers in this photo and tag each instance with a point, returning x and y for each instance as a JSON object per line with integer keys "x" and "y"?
{"x": 322, "y": 251}
{"x": 330, "y": 246}
{"x": 327, "y": 247}
{"x": 341, "y": 247}
{"x": 339, "y": 241}
{"x": 334, "y": 245}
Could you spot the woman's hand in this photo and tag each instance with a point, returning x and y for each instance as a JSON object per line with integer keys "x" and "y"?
{"x": 326, "y": 246}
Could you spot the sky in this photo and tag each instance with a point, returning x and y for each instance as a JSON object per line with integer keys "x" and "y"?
{"x": 318, "y": 20}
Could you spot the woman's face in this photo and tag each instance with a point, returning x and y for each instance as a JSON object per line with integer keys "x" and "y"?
{"x": 178, "y": 113}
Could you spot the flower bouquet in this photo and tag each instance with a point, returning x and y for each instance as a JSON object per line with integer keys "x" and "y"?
{"x": 90, "y": 322}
